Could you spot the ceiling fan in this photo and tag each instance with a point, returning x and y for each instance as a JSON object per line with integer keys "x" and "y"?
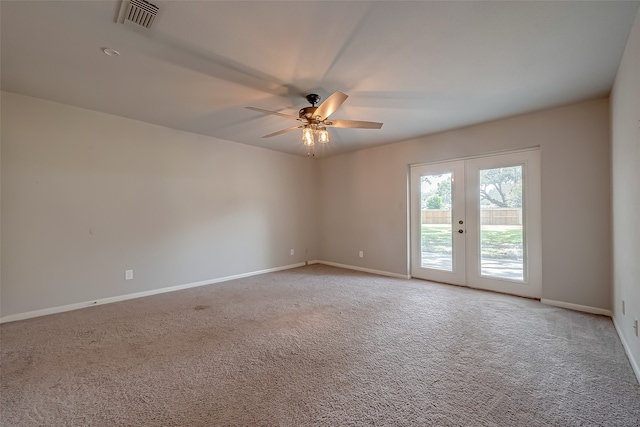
{"x": 315, "y": 119}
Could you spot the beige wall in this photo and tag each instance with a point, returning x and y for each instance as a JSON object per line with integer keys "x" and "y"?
{"x": 363, "y": 197}
{"x": 625, "y": 139}
{"x": 86, "y": 195}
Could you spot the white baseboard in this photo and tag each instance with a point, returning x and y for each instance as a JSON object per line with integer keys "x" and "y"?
{"x": 70, "y": 307}
{"x": 577, "y": 307}
{"x": 366, "y": 270}
{"x": 627, "y": 350}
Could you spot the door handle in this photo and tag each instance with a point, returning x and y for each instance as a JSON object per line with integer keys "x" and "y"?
{"x": 460, "y": 231}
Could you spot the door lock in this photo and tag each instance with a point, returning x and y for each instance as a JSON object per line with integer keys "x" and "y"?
{"x": 460, "y": 231}
{"x": 461, "y": 222}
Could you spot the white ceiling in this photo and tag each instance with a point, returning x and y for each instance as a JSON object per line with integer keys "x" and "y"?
{"x": 419, "y": 67}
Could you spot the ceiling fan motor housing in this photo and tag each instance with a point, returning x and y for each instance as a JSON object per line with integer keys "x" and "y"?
{"x": 307, "y": 113}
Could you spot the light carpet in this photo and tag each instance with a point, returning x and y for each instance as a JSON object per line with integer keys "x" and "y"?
{"x": 317, "y": 345}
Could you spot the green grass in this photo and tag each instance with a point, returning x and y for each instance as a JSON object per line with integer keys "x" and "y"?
{"x": 436, "y": 238}
{"x": 502, "y": 243}
{"x": 498, "y": 242}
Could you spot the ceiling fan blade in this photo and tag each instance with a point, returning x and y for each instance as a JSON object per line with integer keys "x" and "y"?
{"x": 275, "y": 113}
{"x": 353, "y": 124}
{"x": 280, "y": 132}
{"x": 331, "y": 104}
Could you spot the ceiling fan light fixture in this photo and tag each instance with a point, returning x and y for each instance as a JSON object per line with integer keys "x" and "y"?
{"x": 323, "y": 135}
{"x": 307, "y": 136}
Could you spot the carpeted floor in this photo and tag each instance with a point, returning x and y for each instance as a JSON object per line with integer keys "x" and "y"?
{"x": 317, "y": 346}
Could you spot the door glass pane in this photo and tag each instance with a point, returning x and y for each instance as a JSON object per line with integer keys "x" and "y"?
{"x": 435, "y": 223}
{"x": 501, "y": 228}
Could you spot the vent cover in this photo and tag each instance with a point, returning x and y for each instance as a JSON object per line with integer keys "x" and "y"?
{"x": 139, "y": 14}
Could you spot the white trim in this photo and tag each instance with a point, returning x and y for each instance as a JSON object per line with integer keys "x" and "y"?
{"x": 366, "y": 270}
{"x": 577, "y": 307}
{"x": 627, "y": 350}
{"x": 478, "y": 156}
{"x": 85, "y": 304}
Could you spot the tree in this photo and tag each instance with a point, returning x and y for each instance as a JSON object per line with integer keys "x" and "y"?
{"x": 444, "y": 191}
{"x": 434, "y": 202}
{"x": 439, "y": 184}
{"x": 502, "y": 187}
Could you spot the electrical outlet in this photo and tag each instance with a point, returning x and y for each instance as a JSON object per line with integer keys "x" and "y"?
{"x": 292, "y": 251}
{"x": 128, "y": 275}
{"x": 623, "y": 310}
{"x": 361, "y": 254}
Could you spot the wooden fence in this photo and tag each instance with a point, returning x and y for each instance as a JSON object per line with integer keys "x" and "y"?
{"x": 487, "y": 216}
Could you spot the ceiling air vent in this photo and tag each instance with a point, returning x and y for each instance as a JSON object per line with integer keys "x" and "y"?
{"x": 138, "y": 14}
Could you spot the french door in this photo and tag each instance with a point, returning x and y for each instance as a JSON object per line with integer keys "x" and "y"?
{"x": 476, "y": 222}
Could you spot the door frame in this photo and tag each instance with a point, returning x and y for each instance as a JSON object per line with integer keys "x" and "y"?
{"x": 532, "y": 286}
